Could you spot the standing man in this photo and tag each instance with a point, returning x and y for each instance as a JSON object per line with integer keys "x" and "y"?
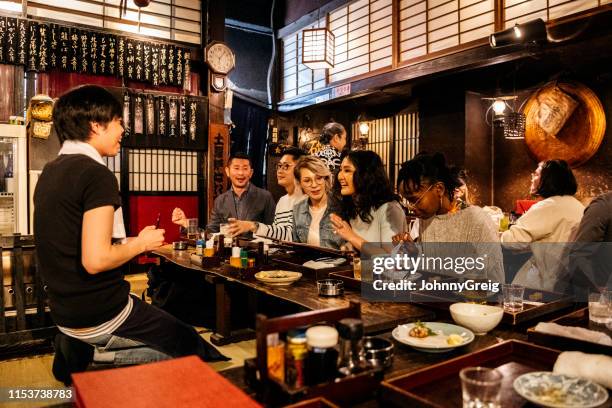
{"x": 282, "y": 227}
{"x": 333, "y": 139}
{"x": 242, "y": 201}
{"x": 77, "y": 216}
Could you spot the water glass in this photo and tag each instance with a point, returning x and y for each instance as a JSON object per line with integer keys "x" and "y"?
{"x": 192, "y": 228}
{"x": 480, "y": 387}
{"x": 357, "y": 267}
{"x": 600, "y": 307}
{"x": 513, "y": 297}
{"x": 225, "y": 230}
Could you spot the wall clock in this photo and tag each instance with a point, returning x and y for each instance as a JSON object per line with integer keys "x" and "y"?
{"x": 220, "y": 58}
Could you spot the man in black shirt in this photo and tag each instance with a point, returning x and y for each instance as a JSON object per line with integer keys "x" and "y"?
{"x": 77, "y": 215}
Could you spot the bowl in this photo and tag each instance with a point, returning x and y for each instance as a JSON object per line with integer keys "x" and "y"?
{"x": 330, "y": 287}
{"x": 478, "y": 318}
{"x": 378, "y": 351}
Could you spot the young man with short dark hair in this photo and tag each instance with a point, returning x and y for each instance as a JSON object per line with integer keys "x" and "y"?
{"x": 242, "y": 201}
{"x": 77, "y": 216}
{"x": 282, "y": 227}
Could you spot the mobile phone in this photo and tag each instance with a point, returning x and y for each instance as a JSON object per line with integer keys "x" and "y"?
{"x": 157, "y": 220}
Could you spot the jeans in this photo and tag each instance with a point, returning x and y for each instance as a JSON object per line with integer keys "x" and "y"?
{"x": 150, "y": 334}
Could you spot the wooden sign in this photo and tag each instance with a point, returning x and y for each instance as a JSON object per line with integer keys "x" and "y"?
{"x": 218, "y": 151}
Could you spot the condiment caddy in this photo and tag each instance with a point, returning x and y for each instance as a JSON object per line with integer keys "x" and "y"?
{"x": 323, "y": 357}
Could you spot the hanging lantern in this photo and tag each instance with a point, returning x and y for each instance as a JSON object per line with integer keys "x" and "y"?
{"x": 318, "y": 48}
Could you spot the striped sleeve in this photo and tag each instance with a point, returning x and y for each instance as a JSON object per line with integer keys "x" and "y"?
{"x": 281, "y": 228}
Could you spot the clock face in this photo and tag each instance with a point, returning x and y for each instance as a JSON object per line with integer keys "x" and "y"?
{"x": 220, "y": 58}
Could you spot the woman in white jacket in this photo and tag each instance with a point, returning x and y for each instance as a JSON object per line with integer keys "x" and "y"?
{"x": 546, "y": 227}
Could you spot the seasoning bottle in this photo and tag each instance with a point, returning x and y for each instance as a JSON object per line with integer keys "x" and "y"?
{"x": 295, "y": 358}
{"x": 235, "y": 258}
{"x": 352, "y": 356}
{"x": 220, "y": 244}
{"x": 244, "y": 258}
{"x": 209, "y": 250}
{"x": 200, "y": 247}
{"x": 276, "y": 357}
{"x": 322, "y": 358}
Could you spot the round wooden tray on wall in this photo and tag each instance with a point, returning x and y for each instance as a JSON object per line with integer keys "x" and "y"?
{"x": 581, "y": 135}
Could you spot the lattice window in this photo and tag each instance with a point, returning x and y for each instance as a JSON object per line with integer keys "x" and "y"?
{"x": 114, "y": 165}
{"x": 156, "y": 170}
{"x": 178, "y": 20}
{"x": 521, "y": 11}
{"x": 297, "y": 77}
{"x": 363, "y": 32}
{"x": 395, "y": 139}
{"x": 428, "y": 26}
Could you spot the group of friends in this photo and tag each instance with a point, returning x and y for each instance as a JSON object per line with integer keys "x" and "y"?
{"x": 335, "y": 198}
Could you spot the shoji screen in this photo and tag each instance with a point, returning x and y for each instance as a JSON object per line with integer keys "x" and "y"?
{"x": 297, "y": 77}
{"x": 427, "y": 26}
{"x": 170, "y": 19}
{"x": 520, "y": 11}
{"x": 162, "y": 170}
{"x": 363, "y": 31}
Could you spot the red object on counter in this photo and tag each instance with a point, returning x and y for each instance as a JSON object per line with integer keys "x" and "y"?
{"x": 181, "y": 382}
{"x": 523, "y": 205}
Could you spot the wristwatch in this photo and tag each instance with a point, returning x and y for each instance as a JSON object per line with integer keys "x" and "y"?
{"x": 256, "y": 224}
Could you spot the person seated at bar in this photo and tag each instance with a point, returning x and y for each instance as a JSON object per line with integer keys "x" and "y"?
{"x": 282, "y": 226}
{"x": 311, "y": 217}
{"x": 551, "y": 220}
{"x": 333, "y": 141}
{"x": 242, "y": 201}
{"x": 429, "y": 187}
{"x": 368, "y": 203}
{"x": 77, "y": 215}
{"x": 591, "y": 261}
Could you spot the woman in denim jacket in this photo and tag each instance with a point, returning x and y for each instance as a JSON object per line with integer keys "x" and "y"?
{"x": 311, "y": 217}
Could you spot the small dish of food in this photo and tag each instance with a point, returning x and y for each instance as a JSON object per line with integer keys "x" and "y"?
{"x": 278, "y": 278}
{"x": 547, "y": 389}
{"x": 433, "y": 337}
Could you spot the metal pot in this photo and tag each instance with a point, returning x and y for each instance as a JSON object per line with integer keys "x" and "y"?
{"x": 378, "y": 351}
{"x": 330, "y": 287}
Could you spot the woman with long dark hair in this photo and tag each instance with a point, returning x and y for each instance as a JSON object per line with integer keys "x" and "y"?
{"x": 429, "y": 186}
{"x": 370, "y": 211}
{"x": 551, "y": 220}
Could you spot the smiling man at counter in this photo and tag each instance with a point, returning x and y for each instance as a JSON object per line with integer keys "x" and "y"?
{"x": 243, "y": 201}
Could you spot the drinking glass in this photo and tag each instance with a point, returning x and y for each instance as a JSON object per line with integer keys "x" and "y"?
{"x": 192, "y": 228}
{"x": 600, "y": 307}
{"x": 513, "y": 297}
{"x": 357, "y": 268}
{"x": 480, "y": 387}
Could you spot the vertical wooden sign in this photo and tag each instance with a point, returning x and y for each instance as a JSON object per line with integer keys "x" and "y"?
{"x": 218, "y": 151}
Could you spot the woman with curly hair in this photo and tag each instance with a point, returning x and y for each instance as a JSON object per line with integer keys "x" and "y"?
{"x": 368, "y": 203}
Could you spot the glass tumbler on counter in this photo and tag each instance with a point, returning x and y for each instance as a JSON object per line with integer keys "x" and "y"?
{"x": 600, "y": 307}
{"x": 192, "y": 228}
{"x": 513, "y": 297}
{"x": 480, "y": 387}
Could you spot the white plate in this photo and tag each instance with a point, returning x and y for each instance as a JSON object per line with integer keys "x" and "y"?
{"x": 559, "y": 391}
{"x": 278, "y": 277}
{"x": 433, "y": 344}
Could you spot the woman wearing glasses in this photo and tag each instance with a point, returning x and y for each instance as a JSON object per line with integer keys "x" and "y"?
{"x": 428, "y": 185}
{"x": 282, "y": 226}
{"x": 368, "y": 203}
{"x": 311, "y": 217}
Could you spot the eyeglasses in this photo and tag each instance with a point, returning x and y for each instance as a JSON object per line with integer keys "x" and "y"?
{"x": 283, "y": 166}
{"x": 316, "y": 180}
{"x": 411, "y": 206}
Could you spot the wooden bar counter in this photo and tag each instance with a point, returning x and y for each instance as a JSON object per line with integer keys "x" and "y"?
{"x": 377, "y": 316}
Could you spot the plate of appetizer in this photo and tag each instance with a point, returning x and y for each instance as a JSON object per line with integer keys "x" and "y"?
{"x": 559, "y": 391}
{"x": 278, "y": 278}
{"x": 433, "y": 337}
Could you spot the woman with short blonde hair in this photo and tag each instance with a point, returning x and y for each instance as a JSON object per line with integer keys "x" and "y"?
{"x": 311, "y": 217}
